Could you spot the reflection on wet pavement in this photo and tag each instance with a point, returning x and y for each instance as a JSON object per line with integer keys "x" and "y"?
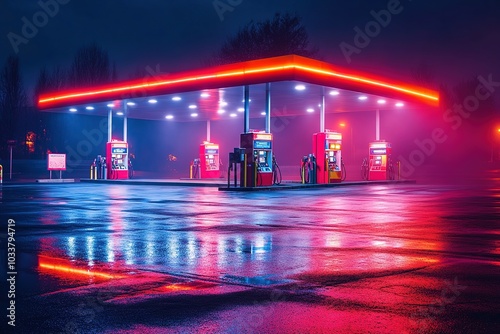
{"x": 371, "y": 254}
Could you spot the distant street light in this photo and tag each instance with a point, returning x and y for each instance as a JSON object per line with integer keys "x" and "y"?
{"x": 498, "y": 131}
{"x": 493, "y": 146}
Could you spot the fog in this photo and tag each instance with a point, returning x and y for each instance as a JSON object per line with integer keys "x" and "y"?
{"x": 429, "y": 147}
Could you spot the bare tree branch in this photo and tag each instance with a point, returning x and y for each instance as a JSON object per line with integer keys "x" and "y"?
{"x": 13, "y": 101}
{"x": 283, "y": 34}
{"x": 91, "y": 66}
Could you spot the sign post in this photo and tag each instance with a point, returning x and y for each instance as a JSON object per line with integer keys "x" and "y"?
{"x": 11, "y": 144}
{"x": 56, "y": 162}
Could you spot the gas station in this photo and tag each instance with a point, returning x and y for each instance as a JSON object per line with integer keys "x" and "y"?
{"x": 251, "y": 91}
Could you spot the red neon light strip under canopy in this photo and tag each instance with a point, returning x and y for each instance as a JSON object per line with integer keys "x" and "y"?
{"x": 284, "y": 68}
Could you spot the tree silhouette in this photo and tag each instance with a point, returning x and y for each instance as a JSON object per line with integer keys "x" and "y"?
{"x": 13, "y": 100}
{"x": 91, "y": 66}
{"x": 52, "y": 81}
{"x": 283, "y": 34}
{"x": 424, "y": 74}
{"x": 46, "y": 82}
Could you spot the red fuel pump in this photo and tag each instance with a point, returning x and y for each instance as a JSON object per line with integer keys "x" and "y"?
{"x": 258, "y": 164}
{"x": 209, "y": 161}
{"x": 327, "y": 148}
{"x": 379, "y": 161}
{"x": 117, "y": 160}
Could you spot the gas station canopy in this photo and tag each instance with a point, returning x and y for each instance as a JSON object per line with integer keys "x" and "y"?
{"x": 297, "y": 87}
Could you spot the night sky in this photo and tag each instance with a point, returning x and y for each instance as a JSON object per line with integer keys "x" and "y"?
{"x": 457, "y": 39}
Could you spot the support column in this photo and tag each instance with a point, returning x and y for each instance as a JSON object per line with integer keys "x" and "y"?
{"x": 110, "y": 125}
{"x": 268, "y": 107}
{"x": 125, "y": 128}
{"x": 322, "y": 111}
{"x": 246, "y": 115}
{"x": 208, "y": 131}
{"x": 377, "y": 125}
{"x": 125, "y": 125}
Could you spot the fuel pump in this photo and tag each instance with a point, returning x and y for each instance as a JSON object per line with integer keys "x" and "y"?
{"x": 237, "y": 157}
{"x": 117, "y": 155}
{"x": 131, "y": 166}
{"x": 100, "y": 167}
{"x": 308, "y": 169}
{"x": 93, "y": 170}
{"x": 364, "y": 169}
{"x": 104, "y": 169}
{"x": 194, "y": 169}
{"x": 327, "y": 148}
{"x": 209, "y": 161}
{"x": 380, "y": 165}
{"x": 304, "y": 173}
{"x": 258, "y": 164}
{"x": 312, "y": 169}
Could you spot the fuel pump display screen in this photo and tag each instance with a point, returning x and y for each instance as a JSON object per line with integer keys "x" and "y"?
{"x": 118, "y": 156}
{"x": 118, "y": 150}
{"x": 332, "y": 157}
{"x": 378, "y": 151}
{"x": 262, "y": 144}
{"x": 262, "y": 157}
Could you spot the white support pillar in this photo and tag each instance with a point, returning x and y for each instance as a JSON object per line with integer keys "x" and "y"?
{"x": 208, "y": 131}
{"x": 377, "y": 124}
{"x": 125, "y": 125}
{"x": 246, "y": 123}
{"x": 322, "y": 111}
{"x": 268, "y": 107}
{"x": 125, "y": 128}
{"x": 110, "y": 125}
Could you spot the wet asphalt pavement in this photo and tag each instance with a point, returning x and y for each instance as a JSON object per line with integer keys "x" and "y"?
{"x": 154, "y": 259}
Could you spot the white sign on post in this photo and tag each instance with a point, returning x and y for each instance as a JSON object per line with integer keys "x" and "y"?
{"x": 56, "y": 162}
